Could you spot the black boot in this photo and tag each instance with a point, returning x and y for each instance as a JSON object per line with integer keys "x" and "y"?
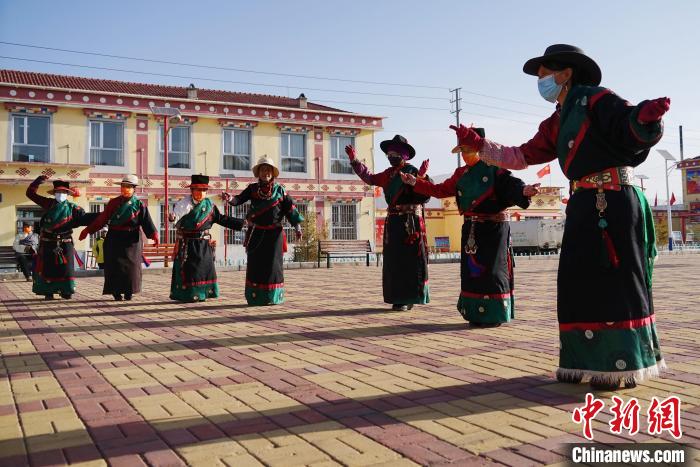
{"x": 128, "y": 296}
{"x": 569, "y": 378}
{"x": 484, "y": 325}
{"x": 48, "y": 296}
{"x": 409, "y": 307}
{"x": 399, "y": 307}
{"x": 601, "y": 385}
{"x": 630, "y": 383}
{"x": 117, "y": 296}
{"x": 67, "y": 296}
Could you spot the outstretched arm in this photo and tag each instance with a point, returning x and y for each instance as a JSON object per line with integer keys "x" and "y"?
{"x": 363, "y": 172}
{"x": 229, "y": 222}
{"x": 439, "y": 190}
{"x": 32, "y": 194}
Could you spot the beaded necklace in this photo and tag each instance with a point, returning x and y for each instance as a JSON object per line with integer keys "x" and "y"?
{"x": 264, "y": 190}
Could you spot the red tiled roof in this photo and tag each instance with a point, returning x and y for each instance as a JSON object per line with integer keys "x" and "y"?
{"x": 152, "y": 90}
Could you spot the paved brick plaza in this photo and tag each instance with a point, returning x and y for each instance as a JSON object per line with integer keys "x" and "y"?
{"x": 332, "y": 377}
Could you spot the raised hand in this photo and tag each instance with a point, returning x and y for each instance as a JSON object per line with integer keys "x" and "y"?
{"x": 653, "y": 110}
{"x": 40, "y": 179}
{"x": 466, "y": 136}
{"x": 350, "y": 151}
{"x": 226, "y": 196}
{"x": 408, "y": 179}
{"x": 531, "y": 190}
{"x": 156, "y": 239}
{"x": 423, "y": 168}
{"x": 83, "y": 234}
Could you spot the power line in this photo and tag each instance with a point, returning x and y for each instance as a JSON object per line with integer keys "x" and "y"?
{"x": 290, "y": 75}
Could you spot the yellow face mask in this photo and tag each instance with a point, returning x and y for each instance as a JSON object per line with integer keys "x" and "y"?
{"x": 470, "y": 158}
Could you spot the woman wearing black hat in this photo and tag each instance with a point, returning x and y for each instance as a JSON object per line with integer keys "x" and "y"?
{"x": 405, "y": 269}
{"x": 194, "y": 273}
{"x": 604, "y": 303}
{"x": 55, "y": 258}
{"x": 482, "y": 193}
{"x": 123, "y": 248}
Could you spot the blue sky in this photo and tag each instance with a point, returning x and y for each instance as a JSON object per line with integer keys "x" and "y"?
{"x": 646, "y": 49}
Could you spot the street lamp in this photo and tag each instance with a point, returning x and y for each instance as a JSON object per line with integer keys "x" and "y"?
{"x": 641, "y": 178}
{"x": 668, "y": 157}
{"x": 168, "y": 114}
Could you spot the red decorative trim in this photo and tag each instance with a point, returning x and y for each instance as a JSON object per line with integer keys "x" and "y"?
{"x": 199, "y": 185}
{"x": 334, "y": 131}
{"x": 257, "y": 285}
{"x": 485, "y": 296}
{"x": 596, "y": 97}
{"x": 232, "y": 123}
{"x": 484, "y": 196}
{"x": 30, "y": 108}
{"x": 198, "y": 283}
{"x": 108, "y": 114}
{"x": 265, "y": 209}
{"x": 579, "y": 137}
{"x": 294, "y": 128}
{"x": 268, "y": 227}
{"x": 209, "y": 216}
{"x": 629, "y": 324}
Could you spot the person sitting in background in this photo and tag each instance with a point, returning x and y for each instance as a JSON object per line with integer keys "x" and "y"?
{"x": 98, "y": 248}
{"x": 26, "y": 244}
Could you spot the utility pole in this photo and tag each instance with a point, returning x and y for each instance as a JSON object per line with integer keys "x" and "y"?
{"x": 680, "y": 133}
{"x": 456, "y": 101}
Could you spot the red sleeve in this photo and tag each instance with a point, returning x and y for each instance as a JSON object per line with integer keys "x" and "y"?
{"x": 543, "y": 146}
{"x": 104, "y": 216}
{"x": 42, "y": 201}
{"x": 440, "y": 190}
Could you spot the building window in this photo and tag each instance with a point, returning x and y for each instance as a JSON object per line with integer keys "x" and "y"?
{"x": 107, "y": 143}
{"x": 344, "y": 222}
{"x": 340, "y": 163}
{"x": 288, "y": 229}
{"x": 30, "y": 216}
{"x": 293, "y": 152}
{"x": 236, "y": 237}
{"x": 237, "y": 149}
{"x": 30, "y": 138}
{"x": 178, "y": 147}
{"x": 171, "y": 225}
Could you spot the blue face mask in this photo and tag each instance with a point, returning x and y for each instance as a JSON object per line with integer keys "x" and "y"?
{"x": 549, "y": 89}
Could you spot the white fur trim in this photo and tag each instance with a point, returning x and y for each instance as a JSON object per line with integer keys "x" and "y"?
{"x": 614, "y": 376}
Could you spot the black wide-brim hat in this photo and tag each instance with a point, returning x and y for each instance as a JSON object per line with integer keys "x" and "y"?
{"x": 199, "y": 181}
{"x": 397, "y": 140}
{"x": 62, "y": 186}
{"x": 586, "y": 70}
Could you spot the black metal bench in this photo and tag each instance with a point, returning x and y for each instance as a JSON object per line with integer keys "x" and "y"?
{"x": 343, "y": 249}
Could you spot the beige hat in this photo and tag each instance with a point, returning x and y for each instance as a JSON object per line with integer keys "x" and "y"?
{"x": 264, "y": 160}
{"x": 130, "y": 180}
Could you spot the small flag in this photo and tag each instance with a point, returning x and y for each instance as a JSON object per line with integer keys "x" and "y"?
{"x": 544, "y": 171}
{"x": 673, "y": 199}
{"x": 377, "y": 192}
{"x": 656, "y": 200}
{"x": 565, "y": 200}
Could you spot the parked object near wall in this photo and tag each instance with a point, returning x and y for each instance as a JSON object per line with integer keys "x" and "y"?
{"x": 537, "y": 235}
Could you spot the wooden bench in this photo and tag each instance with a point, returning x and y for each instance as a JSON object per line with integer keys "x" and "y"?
{"x": 159, "y": 252}
{"x": 343, "y": 249}
{"x": 7, "y": 258}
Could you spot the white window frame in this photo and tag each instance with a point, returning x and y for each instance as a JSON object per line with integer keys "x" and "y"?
{"x": 11, "y": 139}
{"x": 288, "y": 229}
{"x": 341, "y": 152}
{"x": 159, "y": 169}
{"x": 288, "y": 174}
{"x": 357, "y": 221}
{"x": 106, "y": 168}
{"x": 251, "y": 156}
{"x": 236, "y": 237}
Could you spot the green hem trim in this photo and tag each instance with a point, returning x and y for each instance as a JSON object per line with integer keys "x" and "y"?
{"x": 261, "y": 297}
{"x": 42, "y": 287}
{"x": 198, "y": 293}
{"x": 486, "y": 310}
{"x": 610, "y": 350}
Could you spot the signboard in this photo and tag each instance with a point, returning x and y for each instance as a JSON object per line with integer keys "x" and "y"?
{"x": 692, "y": 181}
{"x": 379, "y": 232}
{"x": 442, "y": 243}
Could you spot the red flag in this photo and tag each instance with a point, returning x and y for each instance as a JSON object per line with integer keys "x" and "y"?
{"x": 656, "y": 200}
{"x": 673, "y": 198}
{"x": 377, "y": 192}
{"x": 543, "y": 171}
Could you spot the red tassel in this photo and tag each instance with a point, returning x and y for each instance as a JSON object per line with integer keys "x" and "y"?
{"x": 284, "y": 242}
{"x": 612, "y": 254}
